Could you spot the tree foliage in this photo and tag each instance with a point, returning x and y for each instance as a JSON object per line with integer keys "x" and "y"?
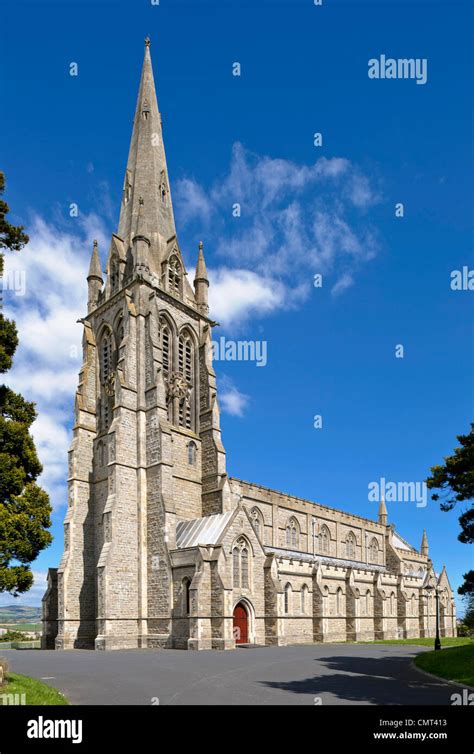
{"x": 24, "y": 506}
{"x": 12, "y": 237}
{"x": 455, "y": 480}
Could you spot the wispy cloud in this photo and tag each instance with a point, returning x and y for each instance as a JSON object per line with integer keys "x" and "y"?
{"x": 45, "y": 368}
{"x": 231, "y": 400}
{"x": 292, "y": 221}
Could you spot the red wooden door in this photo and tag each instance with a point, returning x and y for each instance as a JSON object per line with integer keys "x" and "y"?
{"x": 240, "y": 625}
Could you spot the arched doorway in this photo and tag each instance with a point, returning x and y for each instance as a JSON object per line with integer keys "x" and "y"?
{"x": 241, "y": 624}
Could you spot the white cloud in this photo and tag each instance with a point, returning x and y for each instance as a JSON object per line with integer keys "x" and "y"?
{"x": 231, "y": 400}
{"x": 344, "y": 282}
{"x": 237, "y": 294}
{"x": 49, "y": 356}
{"x": 296, "y": 220}
{"x": 193, "y": 201}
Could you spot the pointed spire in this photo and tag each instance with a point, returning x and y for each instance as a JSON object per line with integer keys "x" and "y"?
{"x": 383, "y": 515}
{"x": 201, "y": 271}
{"x": 147, "y": 174}
{"x": 94, "y": 267}
{"x": 201, "y": 282}
{"x": 94, "y": 279}
{"x": 424, "y": 550}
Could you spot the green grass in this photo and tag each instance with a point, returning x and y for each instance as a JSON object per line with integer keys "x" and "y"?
{"x": 454, "y": 663}
{"x": 22, "y": 626}
{"x": 35, "y": 691}
{"x": 448, "y": 641}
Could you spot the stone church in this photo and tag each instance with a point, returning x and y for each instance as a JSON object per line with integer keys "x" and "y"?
{"x": 162, "y": 549}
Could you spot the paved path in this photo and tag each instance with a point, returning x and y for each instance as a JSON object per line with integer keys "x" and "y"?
{"x": 337, "y": 673}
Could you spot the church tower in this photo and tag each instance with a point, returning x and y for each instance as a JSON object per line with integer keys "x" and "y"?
{"x": 146, "y": 450}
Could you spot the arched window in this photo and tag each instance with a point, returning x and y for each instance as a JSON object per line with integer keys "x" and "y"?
{"x": 292, "y": 534}
{"x": 413, "y": 605}
{"x": 324, "y": 540}
{"x": 106, "y": 356}
{"x": 257, "y": 522}
{"x": 392, "y": 603}
{"x": 373, "y": 551}
{"x": 106, "y": 369}
{"x": 241, "y": 564}
{"x": 120, "y": 331}
{"x": 244, "y": 567}
{"x": 192, "y": 453}
{"x": 350, "y": 546}
{"x": 185, "y": 368}
{"x": 166, "y": 359}
{"x": 236, "y": 566}
{"x": 114, "y": 275}
{"x": 339, "y": 602}
{"x": 175, "y": 275}
{"x": 326, "y": 600}
{"x": 288, "y": 592}
{"x": 186, "y": 595}
{"x": 368, "y": 603}
{"x": 304, "y": 597}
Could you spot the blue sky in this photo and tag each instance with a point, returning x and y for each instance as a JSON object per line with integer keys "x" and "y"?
{"x": 305, "y": 210}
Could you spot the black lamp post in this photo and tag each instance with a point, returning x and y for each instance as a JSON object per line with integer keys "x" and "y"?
{"x": 437, "y": 644}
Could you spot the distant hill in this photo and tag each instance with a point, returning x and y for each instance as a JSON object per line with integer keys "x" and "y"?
{"x": 20, "y": 614}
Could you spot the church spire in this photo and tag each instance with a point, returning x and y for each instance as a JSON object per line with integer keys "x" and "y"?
{"x": 201, "y": 282}
{"x": 383, "y": 515}
{"x": 94, "y": 278}
{"x": 146, "y": 176}
{"x": 424, "y": 545}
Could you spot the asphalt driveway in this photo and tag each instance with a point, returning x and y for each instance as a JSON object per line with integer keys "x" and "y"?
{"x": 303, "y": 675}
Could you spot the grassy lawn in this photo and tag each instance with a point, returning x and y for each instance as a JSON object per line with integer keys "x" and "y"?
{"x": 454, "y": 664}
{"x": 35, "y": 691}
{"x": 448, "y": 641}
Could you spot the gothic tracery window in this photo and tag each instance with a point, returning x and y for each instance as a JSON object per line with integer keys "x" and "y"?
{"x": 373, "y": 551}
{"x": 241, "y": 564}
{"x": 236, "y": 566}
{"x": 166, "y": 359}
{"x": 350, "y": 546}
{"x": 106, "y": 369}
{"x": 324, "y": 540}
{"x": 292, "y": 534}
{"x": 185, "y": 368}
{"x": 175, "y": 275}
{"x": 114, "y": 276}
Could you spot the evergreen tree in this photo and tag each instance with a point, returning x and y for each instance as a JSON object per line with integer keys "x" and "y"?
{"x": 24, "y": 506}
{"x": 455, "y": 478}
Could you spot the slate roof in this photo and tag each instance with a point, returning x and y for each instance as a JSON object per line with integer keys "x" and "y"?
{"x": 202, "y": 531}
{"x": 402, "y": 544}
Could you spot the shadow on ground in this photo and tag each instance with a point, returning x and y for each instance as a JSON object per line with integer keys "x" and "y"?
{"x": 387, "y": 680}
